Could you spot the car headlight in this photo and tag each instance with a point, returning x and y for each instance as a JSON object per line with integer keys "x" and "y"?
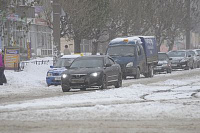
{"x": 49, "y": 74}
{"x": 95, "y": 74}
{"x": 164, "y": 65}
{"x": 64, "y": 75}
{"x": 130, "y": 64}
{"x": 183, "y": 60}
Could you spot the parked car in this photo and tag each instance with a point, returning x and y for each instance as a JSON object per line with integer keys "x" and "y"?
{"x": 53, "y": 76}
{"x": 197, "y": 53}
{"x": 195, "y": 58}
{"x": 181, "y": 59}
{"x": 92, "y": 71}
{"x": 164, "y": 63}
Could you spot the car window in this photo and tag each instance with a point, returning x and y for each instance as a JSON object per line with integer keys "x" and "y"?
{"x": 198, "y": 51}
{"x": 121, "y": 50}
{"x": 162, "y": 56}
{"x": 87, "y": 63}
{"x": 191, "y": 53}
{"x": 177, "y": 54}
{"x": 63, "y": 62}
{"x": 111, "y": 61}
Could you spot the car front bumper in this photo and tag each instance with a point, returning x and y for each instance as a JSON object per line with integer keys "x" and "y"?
{"x": 161, "y": 68}
{"x": 180, "y": 65}
{"x": 54, "y": 80}
{"x": 87, "y": 82}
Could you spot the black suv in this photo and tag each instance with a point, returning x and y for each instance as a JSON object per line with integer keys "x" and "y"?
{"x": 92, "y": 71}
{"x": 164, "y": 63}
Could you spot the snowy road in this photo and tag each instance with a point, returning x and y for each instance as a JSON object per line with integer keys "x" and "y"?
{"x": 165, "y": 103}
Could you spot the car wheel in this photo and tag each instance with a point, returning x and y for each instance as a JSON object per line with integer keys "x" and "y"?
{"x": 137, "y": 76}
{"x": 187, "y": 68}
{"x": 169, "y": 70}
{"x": 104, "y": 82}
{"x": 119, "y": 82}
{"x": 83, "y": 89}
{"x": 192, "y": 67}
{"x": 124, "y": 76}
{"x": 150, "y": 71}
{"x": 65, "y": 88}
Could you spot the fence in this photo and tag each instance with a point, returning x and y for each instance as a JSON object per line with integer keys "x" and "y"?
{"x": 20, "y": 66}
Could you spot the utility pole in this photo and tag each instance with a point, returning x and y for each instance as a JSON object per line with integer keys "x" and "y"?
{"x": 56, "y": 26}
{"x": 188, "y": 26}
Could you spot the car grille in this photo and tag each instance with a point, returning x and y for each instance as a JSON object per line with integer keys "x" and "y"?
{"x": 78, "y": 76}
{"x": 55, "y": 74}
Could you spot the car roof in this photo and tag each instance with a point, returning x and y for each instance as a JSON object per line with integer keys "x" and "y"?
{"x": 71, "y": 56}
{"x": 93, "y": 56}
{"x": 121, "y": 39}
{"x": 162, "y": 53}
{"x": 178, "y": 51}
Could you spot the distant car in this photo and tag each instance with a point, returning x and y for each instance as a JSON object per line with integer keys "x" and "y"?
{"x": 53, "y": 76}
{"x": 92, "y": 71}
{"x": 181, "y": 59}
{"x": 164, "y": 63}
{"x": 195, "y": 58}
{"x": 197, "y": 53}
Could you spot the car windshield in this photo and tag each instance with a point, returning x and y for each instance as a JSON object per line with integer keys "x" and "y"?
{"x": 191, "y": 53}
{"x": 162, "y": 56}
{"x": 63, "y": 62}
{"x": 121, "y": 50}
{"x": 177, "y": 54}
{"x": 198, "y": 51}
{"x": 87, "y": 63}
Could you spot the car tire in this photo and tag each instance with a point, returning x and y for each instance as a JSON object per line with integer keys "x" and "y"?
{"x": 192, "y": 67}
{"x": 187, "y": 68}
{"x": 124, "y": 76}
{"x": 137, "y": 76}
{"x": 119, "y": 82}
{"x": 169, "y": 70}
{"x": 104, "y": 83}
{"x": 65, "y": 88}
{"x": 150, "y": 73}
{"x": 83, "y": 89}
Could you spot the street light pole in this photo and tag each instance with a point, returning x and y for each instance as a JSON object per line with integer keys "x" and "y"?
{"x": 56, "y": 26}
{"x": 188, "y": 46}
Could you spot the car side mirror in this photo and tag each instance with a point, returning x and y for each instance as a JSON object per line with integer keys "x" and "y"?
{"x": 51, "y": 66}
{"x": 108, "y": 65}
{"x": 170, "y": 58}
{"x": 189, "y": 55}
{"x": 198, "y": 55}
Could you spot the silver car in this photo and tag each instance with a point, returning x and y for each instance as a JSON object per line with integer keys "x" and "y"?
{"x": 197, "y": 54}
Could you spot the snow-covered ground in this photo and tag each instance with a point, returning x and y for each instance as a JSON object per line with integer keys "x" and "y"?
{"x": 169, "y": 99}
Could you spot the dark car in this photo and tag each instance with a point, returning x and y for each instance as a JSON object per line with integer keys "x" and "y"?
{"x": 197, "y": 57}
{"x": 181, "y": 59}
{"x": 194, "y": 57}
{"x": 92, "y": 71}
{"x": 164, "y": 63}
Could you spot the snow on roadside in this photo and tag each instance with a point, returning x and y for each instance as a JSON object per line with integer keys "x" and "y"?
{"x": 158, "y": 100}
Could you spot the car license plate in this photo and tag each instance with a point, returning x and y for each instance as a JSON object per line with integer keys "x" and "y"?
{"x": 77, "y": 80}
{"x": 157, "y": 68}
{"x": 57, "y": 78}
